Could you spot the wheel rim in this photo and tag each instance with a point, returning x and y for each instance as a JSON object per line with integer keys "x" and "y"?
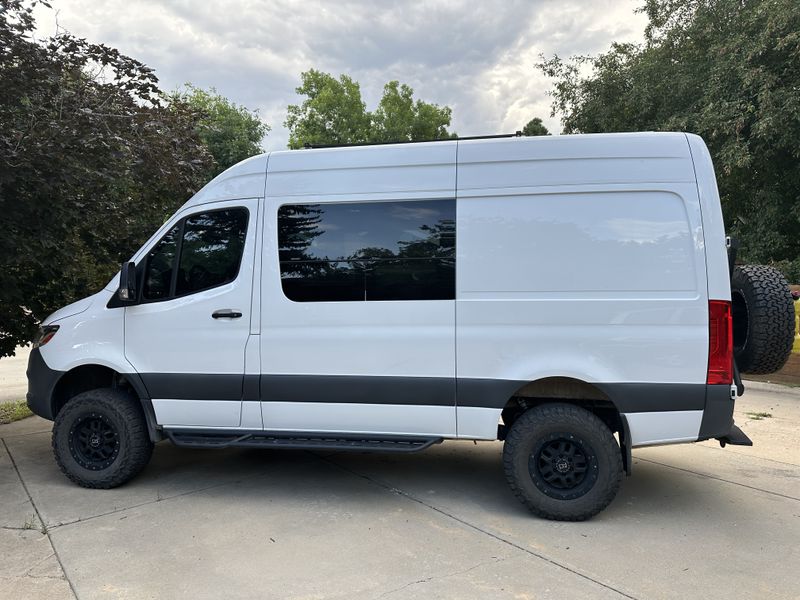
{"x": 94, "y": 442}
{"x": 563, "y": 466}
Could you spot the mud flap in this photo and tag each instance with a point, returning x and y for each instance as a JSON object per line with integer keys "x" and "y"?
{"x": 625, "y": 445}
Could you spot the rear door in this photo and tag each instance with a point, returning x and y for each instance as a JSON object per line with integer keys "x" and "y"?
{"x": 187, "y": 335}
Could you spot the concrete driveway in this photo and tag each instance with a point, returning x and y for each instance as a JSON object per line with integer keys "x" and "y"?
{"x": 694, "y": 521}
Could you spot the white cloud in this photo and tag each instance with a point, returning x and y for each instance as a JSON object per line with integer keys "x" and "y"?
{"x": 477, "y": 57}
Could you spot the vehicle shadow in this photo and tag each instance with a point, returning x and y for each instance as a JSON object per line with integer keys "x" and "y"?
{"x": 459, "y": 474}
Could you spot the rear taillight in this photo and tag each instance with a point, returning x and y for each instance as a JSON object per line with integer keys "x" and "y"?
{"x": 720, "y": 343}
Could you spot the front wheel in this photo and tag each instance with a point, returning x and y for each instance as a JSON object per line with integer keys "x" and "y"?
{"x": 562, "y": 462}
{"x": 100, "y": 439}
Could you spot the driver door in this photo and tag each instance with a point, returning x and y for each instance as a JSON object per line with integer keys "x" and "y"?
{"x": 186, "y": 337}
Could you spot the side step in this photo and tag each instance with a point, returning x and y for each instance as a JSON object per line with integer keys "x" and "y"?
{"x": 301, "y": 441}
{"x": 735, "y": 437}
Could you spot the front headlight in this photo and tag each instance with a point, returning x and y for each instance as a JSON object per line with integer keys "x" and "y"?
{"x": 45, "y": 334}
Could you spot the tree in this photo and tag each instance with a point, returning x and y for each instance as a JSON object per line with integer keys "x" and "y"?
{"x": 399, "y": 118}
{"x": 334, "y": 113}
{"x": 535, "y": 127}
{"x": 92, "y": 160}
{"x": 728, "y": 70}
{"x": 230, "y": 132}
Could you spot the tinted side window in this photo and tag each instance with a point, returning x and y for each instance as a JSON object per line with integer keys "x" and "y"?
{"x": 368, "y": 251}
{"x": 211, "y": 250}
{"x": 207, "y": 250}
{"x": 158, "y": 269}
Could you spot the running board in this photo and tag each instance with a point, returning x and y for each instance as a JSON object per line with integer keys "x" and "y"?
{"x": 264, "y": 439}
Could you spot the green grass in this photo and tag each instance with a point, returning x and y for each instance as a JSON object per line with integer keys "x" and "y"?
{"x": 757, "y": 416}
{"x": 13, "y": 411}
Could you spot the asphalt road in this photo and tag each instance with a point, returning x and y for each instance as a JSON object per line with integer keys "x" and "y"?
{"x": 694, "y": 521}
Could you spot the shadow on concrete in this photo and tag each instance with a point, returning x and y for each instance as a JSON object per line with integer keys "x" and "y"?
{"x": 456, "y": 473}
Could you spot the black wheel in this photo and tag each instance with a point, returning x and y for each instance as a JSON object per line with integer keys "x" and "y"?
{"x": 763, "y": 319}
{"x": 562, "y": 462}
{"x": 100, "y": 438}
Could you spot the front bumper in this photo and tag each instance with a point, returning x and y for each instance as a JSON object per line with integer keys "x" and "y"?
{"x": 42, "y": 381}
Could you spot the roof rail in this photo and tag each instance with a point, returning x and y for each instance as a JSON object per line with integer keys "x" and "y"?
{"x": 469, "y": 137}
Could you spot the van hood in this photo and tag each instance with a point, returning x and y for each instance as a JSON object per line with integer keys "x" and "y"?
{"x": 70, "y": 310}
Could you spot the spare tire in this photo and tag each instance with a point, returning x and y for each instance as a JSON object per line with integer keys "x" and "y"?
{"x": 763, "y": 318}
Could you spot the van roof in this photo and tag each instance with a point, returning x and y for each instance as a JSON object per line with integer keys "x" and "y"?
{"x": 246, "y": 179}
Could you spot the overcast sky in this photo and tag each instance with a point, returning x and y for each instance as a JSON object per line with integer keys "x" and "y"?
{"x": 476, "y": 57}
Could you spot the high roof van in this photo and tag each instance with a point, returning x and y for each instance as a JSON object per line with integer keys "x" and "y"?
{"x": 569, "y": 295}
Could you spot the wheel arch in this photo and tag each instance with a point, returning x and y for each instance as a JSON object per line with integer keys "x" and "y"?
{"x": 90, "y": 376}
{"x": 574, "y": 391}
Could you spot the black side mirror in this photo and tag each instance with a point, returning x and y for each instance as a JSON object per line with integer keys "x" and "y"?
{"x": 127, "y": 283}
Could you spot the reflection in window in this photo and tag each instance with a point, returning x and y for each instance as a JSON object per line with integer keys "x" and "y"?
{"x": 368, "y": 251}
{"x": 329, "y": 280}
{"x": 211, "y": 246}
{"x": 158, "y": 270}
{"x": 211, "y": 250}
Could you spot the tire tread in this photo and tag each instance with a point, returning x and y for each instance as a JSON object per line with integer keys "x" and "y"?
{"x": 139, "y": 447}
{"x": 579, "y": 418}
{"x": 770, "y": 318}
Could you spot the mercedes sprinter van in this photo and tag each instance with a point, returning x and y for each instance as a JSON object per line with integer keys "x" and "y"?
{"x": 569, "y": 295}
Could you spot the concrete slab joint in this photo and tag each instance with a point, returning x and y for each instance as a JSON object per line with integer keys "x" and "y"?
{"x": 242, "y": 523}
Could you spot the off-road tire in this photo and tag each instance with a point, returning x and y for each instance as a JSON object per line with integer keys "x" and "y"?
{"x": 581, "y": 427}
{"x": 119, "y": 413}
{"x": 763, "y": 319}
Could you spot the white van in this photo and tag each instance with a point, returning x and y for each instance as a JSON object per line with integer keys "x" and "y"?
{"x": 569, "y": 295}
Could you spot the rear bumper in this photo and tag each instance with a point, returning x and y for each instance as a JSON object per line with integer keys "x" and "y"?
{"x": 41, "y": 382}
{"x": 735, "y": 437}
{"x": 718, "y": 417}
{"x": 679, "y": 413}
{"x": 718, "y": 413}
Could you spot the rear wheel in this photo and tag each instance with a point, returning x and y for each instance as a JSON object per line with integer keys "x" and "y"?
{"x": 562, "y": 462}
{"x": 100, "y": 439}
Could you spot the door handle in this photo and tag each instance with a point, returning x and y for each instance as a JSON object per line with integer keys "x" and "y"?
{"x": 226, "y": 313}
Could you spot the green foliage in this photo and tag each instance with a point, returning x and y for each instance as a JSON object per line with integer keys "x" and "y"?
{"x": 230, "y": 132}
{"x": 728, "y": 70}
{"x": 334, "y": 113}
{"x": 535, "y": 127}
{"x": 399, "y": 118}
{"x": 92, "y": 160}
{"x": 758, "y": 416}
{"x": 13, "y": 411}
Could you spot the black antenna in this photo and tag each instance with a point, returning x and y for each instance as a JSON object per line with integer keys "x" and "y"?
{"x": 469, "y": 137}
